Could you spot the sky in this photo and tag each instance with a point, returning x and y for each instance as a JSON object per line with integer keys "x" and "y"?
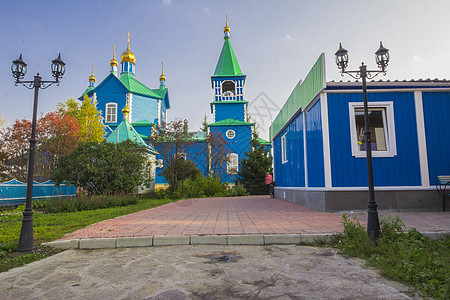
{"x": 276, "y": 43}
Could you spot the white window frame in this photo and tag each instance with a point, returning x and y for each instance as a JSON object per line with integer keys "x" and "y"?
{"x": 114, "y": 120}
{"x": 283, "y": 149}
{"x": 232, "y": 163}
{"x": 387, "y": 108}
{"x": 230, "y": 132}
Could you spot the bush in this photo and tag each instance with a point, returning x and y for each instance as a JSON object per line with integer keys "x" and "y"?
{"x": 202, "y": 187}
{"x": 83, "y": 203}
{"x": 405, "y": 256}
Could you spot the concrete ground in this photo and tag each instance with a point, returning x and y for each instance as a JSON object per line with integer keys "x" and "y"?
{"x": 199, "y": 272}
{"x": 253, "y": 251}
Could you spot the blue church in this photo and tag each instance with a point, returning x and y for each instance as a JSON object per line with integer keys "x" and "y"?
{"x": 146, "y": 108}
{"x": 319, "y": 148}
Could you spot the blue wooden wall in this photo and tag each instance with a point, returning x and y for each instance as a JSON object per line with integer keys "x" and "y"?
{"x": 348, "y": 171}
{"x": 436, "y": 110}
{"x": 234, "y": 111}
{"x": 144, "y": 108}
{"x": 111, "y": 90}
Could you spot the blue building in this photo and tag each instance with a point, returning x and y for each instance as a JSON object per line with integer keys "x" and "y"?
{"x": 319, "y": 148}
{"x": 148, "y": 107}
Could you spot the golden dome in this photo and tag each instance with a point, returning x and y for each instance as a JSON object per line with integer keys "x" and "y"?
{"x": 226, "y": 29}
{"x": 113, "y": 61}
{"x": 125, "y": 111}
{"x": 162, "y": 77}
{"x": 128, "y": 56}
{"x": 92, "y": 77}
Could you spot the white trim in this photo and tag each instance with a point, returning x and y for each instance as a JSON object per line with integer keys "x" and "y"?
{"x": 130, "y": 105}
{"x": 233, "y": 163}
{"x": 284, "y": 149}
{"x": 389, "y": 128}
{"x": 112, "y": 104}
{"x": 421, "y": 139}
{"x": 359, "y": 188}
{"x": 159, "y": 112}
{"x": 326, "y": 140}
{"x": 305, "y": 158}
{"x": 231, "y": 133}
{"x": 397, "y": 90}
{"x": 214, "y": 113}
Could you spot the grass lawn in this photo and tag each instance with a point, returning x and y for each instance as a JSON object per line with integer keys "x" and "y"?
{"x": 49, "y": 227}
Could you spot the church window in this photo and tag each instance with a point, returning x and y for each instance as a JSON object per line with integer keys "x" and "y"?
{"x": 232, "y": 163}
{"x": 231, "y": 134}
{"x": 228, "y": 88}
{"x": 111, "y": 113}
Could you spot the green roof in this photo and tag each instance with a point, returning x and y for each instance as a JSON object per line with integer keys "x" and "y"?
{"x": 227, "y": 64}
{"x": 263, "y": 141}
{"x": 90, "y": 88}
{"x": 134, "y": 86}
{"x": 231, "y": 122}
{"x": 125, "y": 131}
{"x": 143, "y": 123}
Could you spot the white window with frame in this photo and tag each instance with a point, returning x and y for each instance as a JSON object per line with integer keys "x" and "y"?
{"x": 232, "y": 163}
{"x": 283, "y": 149}
{"x": 111, "y": 113}
{"x": 381, "y": 126}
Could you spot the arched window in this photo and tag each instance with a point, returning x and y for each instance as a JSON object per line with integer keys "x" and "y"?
{"x": 228, "y": 88}
{"x": 111, "y": 113}
{"x": 232, "y": 163}
{"x": 231, "y": 134}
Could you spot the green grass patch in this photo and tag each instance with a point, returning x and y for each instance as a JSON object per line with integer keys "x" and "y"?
{"x": 404, "y": 256}
{"x": 48, "y": 227}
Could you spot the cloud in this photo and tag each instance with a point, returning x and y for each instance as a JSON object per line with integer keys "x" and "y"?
{"x": 168, "y": 2}
{"x": 288, "y": 37}
{"x": 416, "y": 60}
{"x": 206, "y": 10}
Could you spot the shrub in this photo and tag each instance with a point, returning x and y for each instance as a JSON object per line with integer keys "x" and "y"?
{"x": 405, "y": 256}
{"x": 83, "y": 203}
{"x": 202, "y": 187}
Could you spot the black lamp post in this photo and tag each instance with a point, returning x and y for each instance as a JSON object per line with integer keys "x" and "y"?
{"x": 19, "y": 69}
{"x": 382, "y": 60}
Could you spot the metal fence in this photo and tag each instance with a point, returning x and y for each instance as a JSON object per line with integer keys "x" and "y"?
{"x": 14, "y": 192}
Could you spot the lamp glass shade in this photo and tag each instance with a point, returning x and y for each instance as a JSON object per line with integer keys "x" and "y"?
{"x": 341, "y": 58}
{"x": 19, "y": 68}
{"x": 382, "y": 57}
{"x": 58, "y": 67}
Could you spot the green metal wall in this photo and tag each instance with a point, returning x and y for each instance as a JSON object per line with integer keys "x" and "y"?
{"x": 301, "y": 96}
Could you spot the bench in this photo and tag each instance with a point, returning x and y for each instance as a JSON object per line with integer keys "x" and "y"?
{"x": 442, "y": 183}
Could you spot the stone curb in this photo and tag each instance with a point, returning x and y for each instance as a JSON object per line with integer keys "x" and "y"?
{"x": 167, "y": 240}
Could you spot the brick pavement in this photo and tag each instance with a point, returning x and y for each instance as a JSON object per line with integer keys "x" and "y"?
{"x": 242, "y": 216}
{"x": 217, "y": 216}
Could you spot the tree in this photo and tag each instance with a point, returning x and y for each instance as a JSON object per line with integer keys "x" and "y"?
{"x": 103, "y": 168}
{"x": 88, "y": 116}
{"x": 218, "y": 151}
{"x": 172, "y": 140}
{"x": 56, "y": 135}
{"x": 3, "y": 121}
{"x": 254, "y": 167}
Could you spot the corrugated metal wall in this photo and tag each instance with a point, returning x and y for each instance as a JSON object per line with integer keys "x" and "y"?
{"x": 144, "y": 108}
{"x": 314, "y": 146}
{"x": 291, "y": 173}
{"x": 436, "y": 110}
{"x": 348, "y": 171}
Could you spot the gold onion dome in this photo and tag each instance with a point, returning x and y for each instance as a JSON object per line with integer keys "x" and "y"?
{"x": 128, "y": 56}
{"x": 226, "y": 29}
{"x": 162, "y": 77}
{"x": 125, "y": 110}
{"x": 92, "y": 77}
{"x": 113, "y": 61}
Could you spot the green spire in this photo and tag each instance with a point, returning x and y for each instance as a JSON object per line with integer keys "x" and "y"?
{"x": 227, "y": 64}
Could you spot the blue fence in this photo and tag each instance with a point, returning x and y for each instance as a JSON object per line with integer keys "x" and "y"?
{"x": 14, "y": 192}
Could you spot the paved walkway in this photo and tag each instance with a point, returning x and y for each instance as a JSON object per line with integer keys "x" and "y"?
{"x": 217, "y": 216}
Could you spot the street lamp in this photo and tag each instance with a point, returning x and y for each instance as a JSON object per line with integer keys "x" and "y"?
{"x": 19, "y": 69}
{"x": 382, "y": 60}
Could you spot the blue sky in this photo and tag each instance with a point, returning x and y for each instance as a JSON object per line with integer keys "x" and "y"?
{"x": 276, "y": 43}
